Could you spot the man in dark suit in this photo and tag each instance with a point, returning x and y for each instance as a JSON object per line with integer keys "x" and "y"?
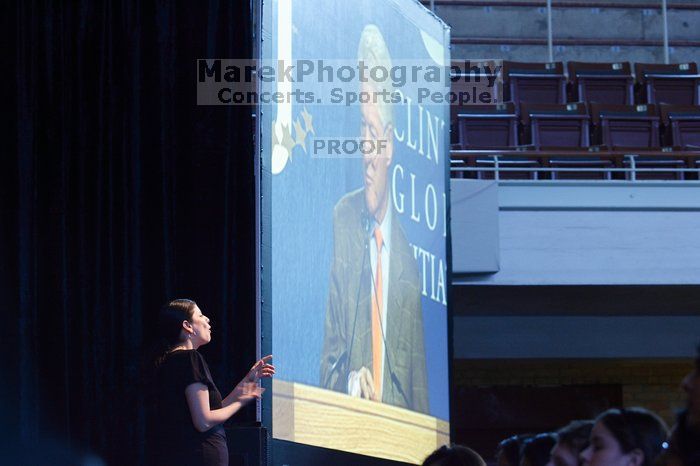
{"x": 373, "y": 344}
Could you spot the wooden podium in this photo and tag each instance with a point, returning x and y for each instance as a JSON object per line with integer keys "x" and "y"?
{"x": 329, "y": 419}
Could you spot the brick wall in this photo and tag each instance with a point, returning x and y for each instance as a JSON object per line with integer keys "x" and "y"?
{"x": 651, "y": 383}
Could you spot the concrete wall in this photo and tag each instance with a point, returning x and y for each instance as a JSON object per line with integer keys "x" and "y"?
{"x": 575, "y": 337}
{"x": 576, "y": 252}
{"x": 474, "y": 226}
{"x": 572, "y": 23}
{"x": 590, "y": 234}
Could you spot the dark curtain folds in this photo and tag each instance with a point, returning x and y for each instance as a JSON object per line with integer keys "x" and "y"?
{"x": 120, "y": 193}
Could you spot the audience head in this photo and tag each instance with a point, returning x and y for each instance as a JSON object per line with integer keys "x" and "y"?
{"x": 508, "y": 451}
{"x": 535, "y": 450}
{"x": 684, "y": 443}
{"x": 571, "y": 441}
{"x": 625, "y": 437}
{"x": 456, "y": 455}
{"x": 691, "y": 386}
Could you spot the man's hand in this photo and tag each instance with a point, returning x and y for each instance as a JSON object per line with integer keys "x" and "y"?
{"x": 366, "y": 384}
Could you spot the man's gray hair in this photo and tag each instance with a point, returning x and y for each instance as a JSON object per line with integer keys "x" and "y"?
{"x": 373, "y": 52}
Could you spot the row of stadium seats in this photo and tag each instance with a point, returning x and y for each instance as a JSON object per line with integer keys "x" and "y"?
{"x": 577, "y": 140}
{"x": 611, "y": 83}
{"x": 576, "y": 126}
{"x": 600, "y": 133}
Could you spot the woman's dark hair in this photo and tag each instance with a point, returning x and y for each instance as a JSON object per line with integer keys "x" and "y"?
{"x": 636, "y": 428}
{"x": 536, "y": 450}
{"x": 575, "y": 435}
{"x": 456, "y": 455}
{"x": 510, "y": 448}
{"x": 170, "y": 324}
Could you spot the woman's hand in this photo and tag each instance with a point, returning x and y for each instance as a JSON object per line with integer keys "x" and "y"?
{"x": 248, "y": 389}
{"x": 260, "y": 369}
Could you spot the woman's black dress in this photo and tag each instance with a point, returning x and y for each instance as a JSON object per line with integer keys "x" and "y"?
{"x": 177, "y": 441}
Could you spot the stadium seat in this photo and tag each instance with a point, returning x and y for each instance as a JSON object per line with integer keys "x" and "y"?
{"x": 677, "y": 84}
{"x": 486, "y": 126}
{"x": 560, "y": 127}
{"x": 634, "y": 128}
{"x": 681, "y": 129}
{"x": 482, "y": 127}
{"x": 543, "y": 83}
{"x": 681, "y": 126}
{"x": 555, "y": 126}
{"x": 625, "y": 126}
{"x": 601, "y": 82}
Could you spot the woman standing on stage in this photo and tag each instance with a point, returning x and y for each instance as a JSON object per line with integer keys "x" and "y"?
{"x": 189, "y": 408}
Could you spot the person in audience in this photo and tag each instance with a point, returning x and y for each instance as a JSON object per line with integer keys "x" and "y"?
{"x": 456, "y": 455}
{"x": 571, "y": 441}
{"x": 684, "y": 442}
{"x": 625, "y": 437}
{"x": 508, "y": 451}
{"x": 535, "y": 450}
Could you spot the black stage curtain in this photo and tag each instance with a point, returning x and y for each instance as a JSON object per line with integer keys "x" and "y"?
{"x": 119, "y": 193}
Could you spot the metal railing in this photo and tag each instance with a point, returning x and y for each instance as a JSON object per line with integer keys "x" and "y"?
{"x": 631, "y": 170}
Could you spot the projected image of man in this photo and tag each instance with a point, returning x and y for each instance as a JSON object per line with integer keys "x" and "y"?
{"x": 373, "y": 344}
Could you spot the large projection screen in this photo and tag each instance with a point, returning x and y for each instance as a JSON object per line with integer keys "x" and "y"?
{"x": 354, "y": 225}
